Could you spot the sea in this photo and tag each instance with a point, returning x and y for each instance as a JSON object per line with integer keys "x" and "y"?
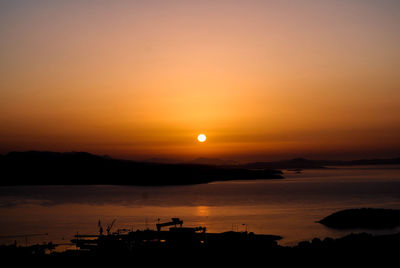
{"x": 289, "y": 207}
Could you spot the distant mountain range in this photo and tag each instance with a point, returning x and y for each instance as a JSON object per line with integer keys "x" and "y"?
{"x": 200, "y": 160}
{"x": 81, "y": 168}
{"x": 213, "y": 161}
{"x": 302, "y": 163}
{"x": 295, "y": 163}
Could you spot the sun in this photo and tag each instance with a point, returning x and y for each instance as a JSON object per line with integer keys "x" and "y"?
{"x": 201, "y": 138}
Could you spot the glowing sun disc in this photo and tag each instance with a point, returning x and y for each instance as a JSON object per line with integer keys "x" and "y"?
{"x": 201, "y": 138}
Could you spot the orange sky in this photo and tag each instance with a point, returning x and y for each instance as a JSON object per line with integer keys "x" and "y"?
{"x": 262, "y": 79}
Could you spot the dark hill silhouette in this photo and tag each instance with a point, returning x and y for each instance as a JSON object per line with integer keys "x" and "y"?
{"x": 369, "y": 218}
{"x": 78, "y": 168}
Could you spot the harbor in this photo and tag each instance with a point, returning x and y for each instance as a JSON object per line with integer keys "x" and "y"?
{"x": 166, "y": 235}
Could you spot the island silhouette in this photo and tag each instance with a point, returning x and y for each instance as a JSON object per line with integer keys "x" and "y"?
{"x": 367, "y": 218}
{"x": 81, "y": 168}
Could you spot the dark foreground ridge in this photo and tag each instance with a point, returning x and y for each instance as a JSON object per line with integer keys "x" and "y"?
{"x": 368, "y": 218}
{"x": 80, "y": 168}
{"x": 228, "y": 247}
{"x": 190, "y": 245}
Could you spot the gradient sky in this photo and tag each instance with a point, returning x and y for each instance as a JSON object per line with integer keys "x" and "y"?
{"x": 262, "y": 79}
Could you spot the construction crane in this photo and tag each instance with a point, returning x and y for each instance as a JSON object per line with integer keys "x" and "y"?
{"x": 23, "y": 235}
{"x": 175, "y": 221}
{"x": 100, "y": 228}
{"x": 110, "y": 226}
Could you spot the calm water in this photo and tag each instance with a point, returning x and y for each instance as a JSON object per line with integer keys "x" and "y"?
{"x": 287, "y": 207}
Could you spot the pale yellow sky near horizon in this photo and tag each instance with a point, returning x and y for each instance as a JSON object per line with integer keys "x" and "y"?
{"x": 140, "y": 79}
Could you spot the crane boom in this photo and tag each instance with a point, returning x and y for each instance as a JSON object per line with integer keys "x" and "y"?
{"x": 175, "y": 221}
{"x": 110, "y": 226}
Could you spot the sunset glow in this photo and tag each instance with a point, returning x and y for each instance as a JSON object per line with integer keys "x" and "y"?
{"x": 137, "y": 79}
{"x": 251, "y": 131}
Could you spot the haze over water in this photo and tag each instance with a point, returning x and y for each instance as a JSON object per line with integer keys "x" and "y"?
{"x": 287, "y": 207}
